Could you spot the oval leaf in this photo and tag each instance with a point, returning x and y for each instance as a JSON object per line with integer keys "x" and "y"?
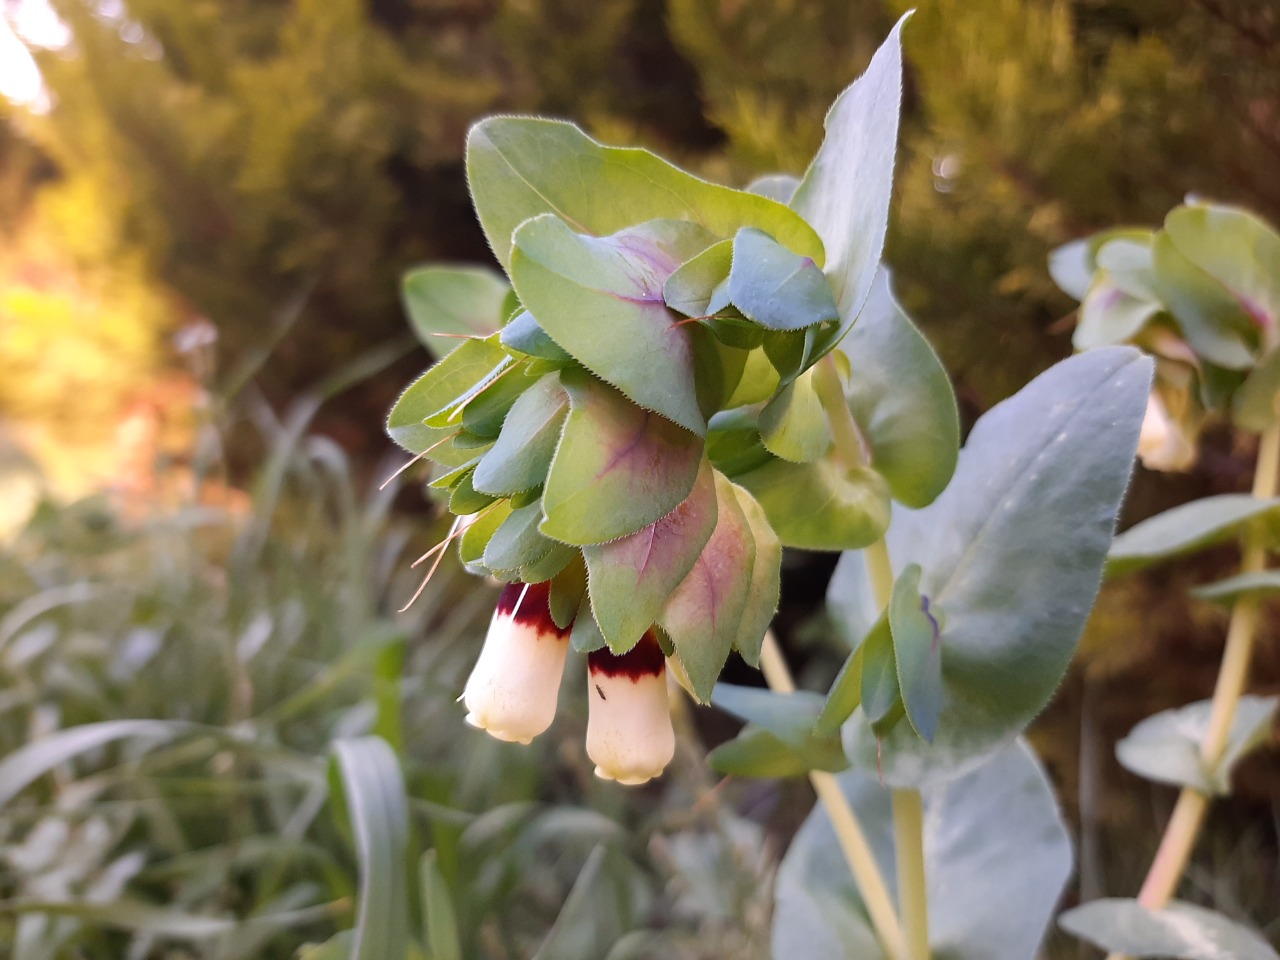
{"x": 601, "y": 300}
{"x": 617, "y": 468}
{"x": 1185, "y": 528}
{"x": 521, "y": 167}
{"x": 776, "y": 288}
{"x": 521, "y": 456}
{"x": 457, "y": 299}
{"x": 1013, "y": 549}
{"x": 1004, "y": 812}
{"x": 820, "y": 505}
{"x": 793, "y": 425}
{"x": 632, "y": 577}
{"x": 917, "y": 649}
{"x": 1166, "y": 747}
{"x": 1180, "y": 930}
{"x": 902, "y": 400}
{"x": 704, "y": 611}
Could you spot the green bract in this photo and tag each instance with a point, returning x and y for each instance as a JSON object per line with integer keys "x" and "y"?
{"x": 638, "y": 404}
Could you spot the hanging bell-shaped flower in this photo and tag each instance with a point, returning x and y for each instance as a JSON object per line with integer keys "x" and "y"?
{"x": 514, "y": 686}
{"x": 629, "y": 734}
{"x": 1162, "y": 444}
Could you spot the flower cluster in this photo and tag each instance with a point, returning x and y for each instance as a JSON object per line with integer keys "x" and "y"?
{"x": 632, "y": 422}
{"x": 1201, "y": 296}
{"x": 512, "y": 691}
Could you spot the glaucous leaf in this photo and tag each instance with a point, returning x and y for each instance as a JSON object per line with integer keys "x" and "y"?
{"x": 439, "y": 391}
{"x": 475, "y": 538}
{"x": 793, "y": 425}
{"x": 845, "y": 192}
{"x": 517, "y": 541}
{"x": 617, "y": 468}
{"x": 974, "y": 827}
{"x": 704, "y": 611}
{"x": 1166, "y": 747}
{"x": 902, "y": 400}
{"x": 549, "y": 564}
{"x": 845, "y": 695}
{"x": 586, "y": 636}
{"x": 1213, "y": 322}
{"x": 460, "y": 299}
{"x": 917, "y": 649}
{"x": 881, "y": 694}
{"x": 521, "y": 456}
{"x": 691, "y": 287}
{"x": 766, "y": 580}
{"x": 820, "y": 505}
{"x": 1108, "y": 315}
{"x": 524, "y": 335}
{"x": 851, "y": 600}
{"x": 567, "y": 590}
{"x": 1254, "y": 406}
{"x": 1237, "y": 249}
{"x": 1013, "y": 551}
{"x": 1071, "y": 266}
{"x": 1259, "y": 583}
{"x": 1180, "y": 930}
{"x": 630, "y": 578}
{"x": 776, "y": 288}
{"x": 776, "y": 186}
{"x": 601, "y": 300}
{"x": 1185, "y": 528}
{"x": 522, "y": 167}
{"x": 779, "y": 739}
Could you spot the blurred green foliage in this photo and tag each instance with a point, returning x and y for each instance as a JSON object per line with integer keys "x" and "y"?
{"x": 171, "y": 684}
{"x": 253, "y": 148}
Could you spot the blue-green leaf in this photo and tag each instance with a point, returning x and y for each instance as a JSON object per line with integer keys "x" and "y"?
{"x": 979, "y": 909}
{"x": 521, "y": 167}
{"x": 455, "y": 299}
{"x": 776, "y": 288}
{"x": 601, "y": 300}
{"x": 1180, "y": 930}
{"x": 902, "y": 400}
{"x": 1184, "y": 529}
{"x": 1166, "y": 747}
{"x": 845, "y": 192}
{"x": 1013, "y": 549}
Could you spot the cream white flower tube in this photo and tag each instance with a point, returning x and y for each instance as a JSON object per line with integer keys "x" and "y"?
{"x": 1161, "y": 443}
{"x": 514, "y": 686}
{"x": 629, "y": 734}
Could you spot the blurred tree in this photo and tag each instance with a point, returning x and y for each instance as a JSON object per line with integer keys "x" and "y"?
{"x": 1026, "y": 124}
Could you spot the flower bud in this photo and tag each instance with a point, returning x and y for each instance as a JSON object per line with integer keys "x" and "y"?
{"x": 1161, "y": 443}
{"x": 629, "y": 732}
{"x": 514, "y": 686}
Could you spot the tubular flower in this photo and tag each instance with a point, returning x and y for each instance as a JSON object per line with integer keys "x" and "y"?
{"x": 1162, "y": 445}
{"x": 514, "y": 686}
{"x": 629, "y": 734}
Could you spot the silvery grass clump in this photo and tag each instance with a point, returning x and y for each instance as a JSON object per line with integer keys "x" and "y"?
{"x": 675, "y": 380}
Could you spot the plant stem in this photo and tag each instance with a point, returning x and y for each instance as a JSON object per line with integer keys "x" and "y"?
{"x": 908, "y": 808}
{"x": 1188, "y": 814}
{"x": 913, "y": 895}
{"x": 853, "y": 841}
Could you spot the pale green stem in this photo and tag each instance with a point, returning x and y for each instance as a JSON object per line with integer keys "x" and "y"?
{"x": 913, "y": 895}
{"x": 1188, "y": 814}
{"x": 849, "y": 832}
{"x": 908, "y": 809}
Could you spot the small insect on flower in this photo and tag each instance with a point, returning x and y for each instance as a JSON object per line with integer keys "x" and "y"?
{"x": 629, "y": 734}
{"x": 514, "y": 686}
